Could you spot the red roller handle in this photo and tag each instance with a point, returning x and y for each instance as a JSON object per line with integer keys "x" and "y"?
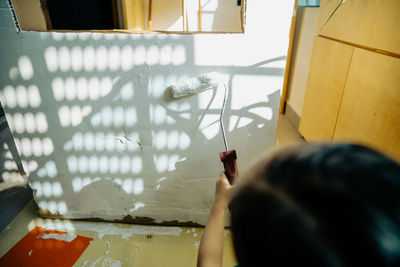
{"x": 228, "y": 158}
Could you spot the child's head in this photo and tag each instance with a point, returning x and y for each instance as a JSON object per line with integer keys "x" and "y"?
{"x": 319, "y": 205}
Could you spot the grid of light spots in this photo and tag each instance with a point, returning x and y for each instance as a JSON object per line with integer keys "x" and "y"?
{"x": 80, "y": 76}
{"x": 93, "y": 121}
{"x": 113, "y": 58}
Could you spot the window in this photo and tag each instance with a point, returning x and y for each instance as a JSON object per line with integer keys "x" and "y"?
{"x": 131, "y": 15}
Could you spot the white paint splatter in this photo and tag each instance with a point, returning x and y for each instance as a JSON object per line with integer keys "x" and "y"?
{"x": 93, "y": 264}
{"x": 115, "y": 264}
{"x": 30, "y": 252}
{"x": 108, "y": 247}
{"x": 125, "y": 232}
{"x": 63, "y": 237}
{"x": 137, "y": 206}
{"x": 105, "y": 261}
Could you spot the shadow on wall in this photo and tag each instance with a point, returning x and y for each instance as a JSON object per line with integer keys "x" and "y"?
{"x": 99, "y": 136}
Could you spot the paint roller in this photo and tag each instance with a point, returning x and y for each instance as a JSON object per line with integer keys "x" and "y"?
{"x": 196, "y": 85}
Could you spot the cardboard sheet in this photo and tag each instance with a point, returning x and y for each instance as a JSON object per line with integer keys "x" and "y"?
{"x": 41, "y": 247}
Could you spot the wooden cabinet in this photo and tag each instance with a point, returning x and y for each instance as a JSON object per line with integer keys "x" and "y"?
{"x": 353, "y": 87}
{"x": 370, "y": 109}
{"x": 367, "y": 23}
{"x": 326, "y": 80}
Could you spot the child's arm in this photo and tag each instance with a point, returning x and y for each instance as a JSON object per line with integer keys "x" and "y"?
{"x": 212, "y": 241}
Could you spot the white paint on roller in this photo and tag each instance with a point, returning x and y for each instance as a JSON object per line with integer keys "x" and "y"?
{"x": 201, "y": 83}
{"x": 62, "y": 237}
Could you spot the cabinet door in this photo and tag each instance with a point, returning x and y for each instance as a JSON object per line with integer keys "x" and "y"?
{"x": 370, "y": 109}
{"x": 329, "y": 65}
{"x": 372, "y": 23}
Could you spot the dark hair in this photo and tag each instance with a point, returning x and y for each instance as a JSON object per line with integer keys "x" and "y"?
{"x": 319, "y": 205}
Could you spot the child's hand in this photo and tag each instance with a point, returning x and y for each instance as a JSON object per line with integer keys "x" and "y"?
{"x": 223, "y": 192}
{"x": 212, "y": 241}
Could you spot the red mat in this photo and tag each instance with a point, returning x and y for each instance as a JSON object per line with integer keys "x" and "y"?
{"x": 34, "y": 250}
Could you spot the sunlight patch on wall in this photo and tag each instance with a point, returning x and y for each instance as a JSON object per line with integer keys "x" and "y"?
{"x": 165, "y": 162}
{"x": 152, "y": 55}
{"x": 73, "y": 116}
{"x": 127, "y": 58}
{"x": 130, "y": 186}
{"x": 81, "y": 88}
{"x": 30, "y": 166}
{"x": 47, "y": 189}
{"x": 179, "y": 55}
{"x": 25, "y": 67}
{"x": 28, "y": 122}
{"x": 117, "y": 117}
{"x": 104, "y": 165}
{"x": 158, "y": 115}
{"x": 209, "y": 126}
{"x": 51, "y": 58}
{"x": 49, "y": 170}
{"x": 264, "y": 112}
{"x": 35, "y": 146}
{"x": 170, "y": 140}
{"x": 166, "y": 55}
{"x": 21, "y": 96}
{"x": 127, "y": 92}
{"x": 79, "y": 183}
{"x": 13, "y": 73}
{"x": 76, "y": 58}
{"x": 259, "y": 87}
{"x": 102, "y": 58}
{"x": 100, "y": 141}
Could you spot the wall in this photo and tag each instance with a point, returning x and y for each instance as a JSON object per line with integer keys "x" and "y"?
{"x": 306, "y": 30}
{"x": 102, "y": 139}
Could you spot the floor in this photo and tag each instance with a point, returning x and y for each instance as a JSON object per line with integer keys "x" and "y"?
{"x": 286, "y": 133}
{"x": 117, "y": 244}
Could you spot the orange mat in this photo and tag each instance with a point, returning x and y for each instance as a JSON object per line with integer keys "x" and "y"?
{"x": 37, "y": 249}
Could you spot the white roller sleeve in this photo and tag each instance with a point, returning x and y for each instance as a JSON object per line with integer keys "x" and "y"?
{"x": 195, "y": 85}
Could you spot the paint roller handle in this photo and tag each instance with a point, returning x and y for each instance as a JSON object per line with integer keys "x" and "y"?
{"x": 228, "y": 158}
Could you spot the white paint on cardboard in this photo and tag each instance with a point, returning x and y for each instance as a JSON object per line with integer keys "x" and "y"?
{"x": 101, "y": 139}
{"x": 68, "y": 237}
{"x": 104, "y": 229}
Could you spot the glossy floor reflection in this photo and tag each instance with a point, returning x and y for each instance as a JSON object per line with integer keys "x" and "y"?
{"x": 117, "y": 244}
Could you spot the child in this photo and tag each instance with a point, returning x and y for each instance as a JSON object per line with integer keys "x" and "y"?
{"x": 311, "y": 205}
